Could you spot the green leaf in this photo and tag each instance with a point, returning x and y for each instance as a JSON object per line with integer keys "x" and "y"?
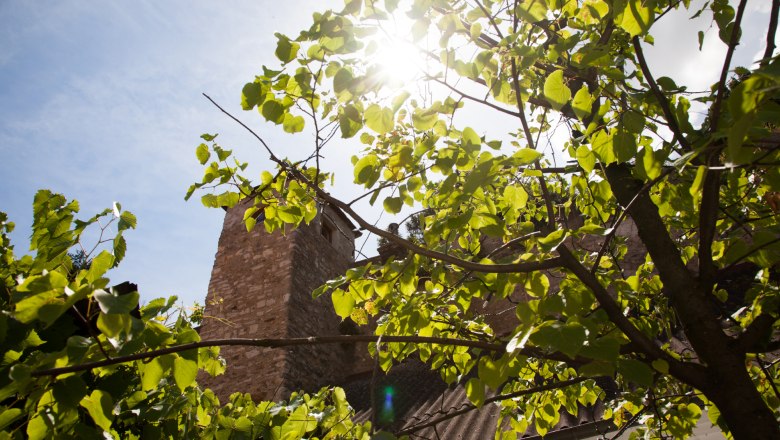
{"x": 100, "y": 407}
{"x": 393, "y": 205}
{"x": 601, "y": 143}
{"x": 536, "y": 284}
{"x": 202, "y": 153}
{"x": 525, "y": 156}
{"x": 127, "y": 221}
{"x": 492, "y": 372}
{"x": 555, "y": 91}
{"x": 184, "y": 372}
{"x": 567, "y": 338}
{"x": 153, "y": 371}
{"x": 114, "y": 324}
{"x": 532, "y": 10}
{"x": 252, "y": 95}
{"x": 100, "y": 266}
{"x": 475, "y": 391}
{"x": 44, "y": 299}
{"x": 553, "y": 240}
{"x": 8, "y": 416}
{"x": 293, "y": 124}
{"x": 343, "y": 303}
{"x": 637, "y": 17}
{"x": 624, "y": 146}
{"x": 342, "y": 80}
{"x": 586, "y": 158}
{"x": 661, "y": 365}
{"x": 698, "y": 181}
{"x": 424, "y": 119}
{"x": 350, "y": 121}
{"x": 582, "y": 103}
{"x": 379, "y": 119}
{"x": 111, "y": 303}
{"x": 519, "y": 340}
{"x": 471, "y": 140}
{"x": 597, "y": 368}
{"x": 478, "y": 177}
{"x": 515, "y": 196}
{"x": 286, "y": 50}
{"x": 606, "y": 349}
{"x": 367, "y": 170}
{"x": 635, "y": 371}
{"x": 273, "y": 111}
{"x": 297, "y": 424}
{"x": 37, "y": 429}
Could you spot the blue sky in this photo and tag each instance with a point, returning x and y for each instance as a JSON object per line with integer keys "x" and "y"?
{"x": 101, "y": 101}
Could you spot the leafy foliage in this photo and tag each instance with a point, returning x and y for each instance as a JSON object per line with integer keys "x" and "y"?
{"x": 59, "y": 314}
{"x": 682, "y": 314}
{"x": 660, "y": 311}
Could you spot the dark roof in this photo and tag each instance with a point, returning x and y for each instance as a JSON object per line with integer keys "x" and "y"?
{"x": 411, "y": 395}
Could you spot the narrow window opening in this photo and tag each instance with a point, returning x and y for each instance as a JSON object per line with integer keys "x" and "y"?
{"x": 327, "y": 231}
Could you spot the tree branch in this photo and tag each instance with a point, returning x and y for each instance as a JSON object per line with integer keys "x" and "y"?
{"x": 470, "y": 407}
{"x": 639, "y": 340}
{"x": 671, "y": 120}
{"x": 530, "y": 139}
{"x": 474, "y": 99}
{"x": 529, "y": 266}
{"x": 771, "y": 32}
{"x": 290, "y": 342}
{"x": 708, "y": 217}
{"x": 733, "y": 42}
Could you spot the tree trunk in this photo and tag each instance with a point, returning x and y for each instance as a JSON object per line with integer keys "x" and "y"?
{"x": 744, "y": 411}
{"x": 726, "y": 381}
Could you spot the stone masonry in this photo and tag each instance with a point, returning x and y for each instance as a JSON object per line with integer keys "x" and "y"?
{"x": 261, "y": 287}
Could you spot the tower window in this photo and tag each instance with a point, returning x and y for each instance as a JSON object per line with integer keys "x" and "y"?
{"x": 327, "y": 230}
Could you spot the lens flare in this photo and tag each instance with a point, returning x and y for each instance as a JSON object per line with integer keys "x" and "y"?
{"x": 387, "y": 413}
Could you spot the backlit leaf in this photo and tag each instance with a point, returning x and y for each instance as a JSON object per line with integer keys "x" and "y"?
{"x": 556, "y": 92}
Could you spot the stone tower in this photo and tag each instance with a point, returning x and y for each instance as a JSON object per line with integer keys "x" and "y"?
{"x": 261, "y": 287}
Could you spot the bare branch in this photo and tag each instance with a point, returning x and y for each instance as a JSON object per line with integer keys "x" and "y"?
{"x": 733, "y": 42}
{"x": 671, "y": 120}
{"x": 475, "y": 99}
{"x": 268, "y": 149}
{"x": 531, "y": 144}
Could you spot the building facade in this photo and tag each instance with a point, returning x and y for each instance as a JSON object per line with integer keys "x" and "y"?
{"x": 261, "y": 287}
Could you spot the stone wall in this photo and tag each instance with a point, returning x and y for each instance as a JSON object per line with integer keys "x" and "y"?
{"x": 261, "y": 287}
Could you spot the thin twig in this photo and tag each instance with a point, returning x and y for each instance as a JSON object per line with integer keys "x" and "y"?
{"x": 733, "y": 42}
{"x": 267, "y": 148}
{"x": 473, "y": 98}
{"x": 671, "y": 120}
{"x": 91, "y": 331}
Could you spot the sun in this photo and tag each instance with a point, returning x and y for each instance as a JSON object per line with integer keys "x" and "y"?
{"x": 400, "y": 61}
